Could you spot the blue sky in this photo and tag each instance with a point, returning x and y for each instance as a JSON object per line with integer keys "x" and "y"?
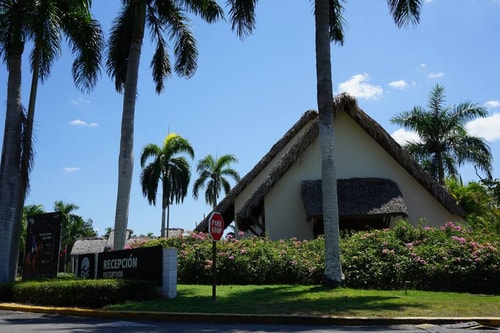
{"x": 246, "y": 94}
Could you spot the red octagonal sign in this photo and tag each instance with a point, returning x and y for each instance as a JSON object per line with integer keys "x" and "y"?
{"x": 215, "y": 226}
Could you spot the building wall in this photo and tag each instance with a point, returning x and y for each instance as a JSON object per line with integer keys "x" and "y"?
{"x": 357, "y": 155}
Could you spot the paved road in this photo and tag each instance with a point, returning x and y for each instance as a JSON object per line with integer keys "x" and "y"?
{"x": 26, "y": 322}
{"x": 17, "y": 322}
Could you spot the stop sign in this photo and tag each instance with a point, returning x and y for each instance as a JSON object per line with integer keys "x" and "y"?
{"x": 215, "y": 226}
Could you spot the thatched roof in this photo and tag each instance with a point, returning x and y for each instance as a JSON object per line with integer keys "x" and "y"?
{"x": 356, "y": 197}
{"x": 226, "y": 206}
{"x": 308, "y": 125}
{"x": 89, "y": 245}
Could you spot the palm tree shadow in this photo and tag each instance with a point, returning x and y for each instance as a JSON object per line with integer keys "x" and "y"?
{"x": 310, "y": 301}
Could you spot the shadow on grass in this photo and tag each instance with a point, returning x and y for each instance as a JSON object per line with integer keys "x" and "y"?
{"x": 290, "y": 300}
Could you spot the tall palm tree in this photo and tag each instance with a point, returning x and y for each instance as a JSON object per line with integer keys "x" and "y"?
{"x": 329, "y": 27}
{"x": 12, "y": 38}
{"x": 42, "y": 23}
{"x": 212, "y": 171}
{"x": 124, "y": 52}
{"x": 444, "y": 143}
{"x": 170, "y": 169}
{"x": 54, "y": 19}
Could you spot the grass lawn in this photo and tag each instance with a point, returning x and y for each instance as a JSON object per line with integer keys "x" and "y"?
{"x": 316, "y": 300}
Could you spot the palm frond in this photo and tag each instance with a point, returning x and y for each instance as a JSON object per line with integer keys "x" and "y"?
{"x": 337, "y": 21}
{"x": 242, "y": 16}
{"x": 119, "y": 44}
{"x": 405, "y": 12}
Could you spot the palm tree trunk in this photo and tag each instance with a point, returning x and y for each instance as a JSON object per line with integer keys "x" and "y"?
{"x": 9, "y": 168}
{"x": 26, "y": 160}
{"x": 333, "y": 269}
{"x": 126, "y": 158}
{"x": 165, "y": 229}
{"x": 440, "y": 168}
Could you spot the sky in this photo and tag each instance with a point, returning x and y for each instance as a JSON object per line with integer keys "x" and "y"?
{"x": 247, "y": 93}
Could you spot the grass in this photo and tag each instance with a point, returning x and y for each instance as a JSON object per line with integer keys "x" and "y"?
{"x": 316, "y": 300}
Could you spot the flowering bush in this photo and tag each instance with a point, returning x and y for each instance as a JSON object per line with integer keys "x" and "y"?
{"x": 450, "y": 258}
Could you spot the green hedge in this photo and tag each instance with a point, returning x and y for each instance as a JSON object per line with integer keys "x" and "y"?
{"x": 78, "y": 293}
{"x": 449, "y": 258}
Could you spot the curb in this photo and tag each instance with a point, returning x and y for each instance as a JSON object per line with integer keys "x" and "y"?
{"x": 250, "y": 318}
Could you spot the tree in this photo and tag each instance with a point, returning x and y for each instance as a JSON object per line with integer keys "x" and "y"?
{"x": 170, "y": 169}
{"x": 212, "y": 171}
{"x": 12, "y": 37}
{"x": 122, "y": 64}
{"x": 73, "y": 227}
{"x": 42, "y": 23}
{"x": 444, "y": 143}
{"x": 329, "y": 27}
{"x": 481, "y": 202}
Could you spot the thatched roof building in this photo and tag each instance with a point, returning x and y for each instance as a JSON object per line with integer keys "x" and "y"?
{"x": 89, "y": 245}
{"x": 289, "y": 150}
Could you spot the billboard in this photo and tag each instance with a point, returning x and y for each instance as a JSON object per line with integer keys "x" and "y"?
{"x": 43, "y": 242}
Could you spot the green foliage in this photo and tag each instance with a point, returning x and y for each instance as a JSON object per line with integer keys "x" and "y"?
{"x": 449, "y": 258}
{"x": 481, "y": 201}
{"x": 444, "y": 144}
{"x": 212, "y": 175}
{"x": 81, "y": 293}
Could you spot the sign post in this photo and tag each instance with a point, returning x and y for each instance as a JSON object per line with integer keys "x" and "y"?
{"x": 215, "y": 230}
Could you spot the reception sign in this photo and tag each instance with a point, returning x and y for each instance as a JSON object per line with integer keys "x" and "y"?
{"x": 142, "y": 263}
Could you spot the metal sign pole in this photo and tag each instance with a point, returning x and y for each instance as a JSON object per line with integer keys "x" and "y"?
{"x": 214, "y": 271}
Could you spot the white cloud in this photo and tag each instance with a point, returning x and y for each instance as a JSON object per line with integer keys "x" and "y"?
{"x": 403, "y": 136}
{"x": 359, "y": 86}
{"x": 400, "y": 84}
{"x": 492, "y": 104}
{"x": 79, "y": 101}
{"x": 78, "y": 122}
{"x": 436, "y": 75}
{"x": 71, "y": 169}
{"x": 486, "y": 128}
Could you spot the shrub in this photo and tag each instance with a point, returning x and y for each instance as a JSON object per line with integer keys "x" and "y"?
{"x": 449, "y": 258}
{"x": 81, "y": 293}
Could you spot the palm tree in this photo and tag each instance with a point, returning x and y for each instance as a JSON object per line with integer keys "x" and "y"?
{"x": 172, "y": 170}
{"x": 124, "y": 53}
{"x": 212, "y": 171}
{"x": 329, "y": 27}
{"x": 84, "y": 34}
{"x": 444, "y": 142}
{"x": 73, "y": 227}
{"x": 41, "y": 22}
{"x": 12, "y": 37}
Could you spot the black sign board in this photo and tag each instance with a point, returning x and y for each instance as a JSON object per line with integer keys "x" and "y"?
{"x": 86, "y": 266}
{"x": 43, "y": 241}
{"x": 141, "y": 264}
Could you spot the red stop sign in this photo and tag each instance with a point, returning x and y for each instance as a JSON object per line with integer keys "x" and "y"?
{"x": 215, "y": 226}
